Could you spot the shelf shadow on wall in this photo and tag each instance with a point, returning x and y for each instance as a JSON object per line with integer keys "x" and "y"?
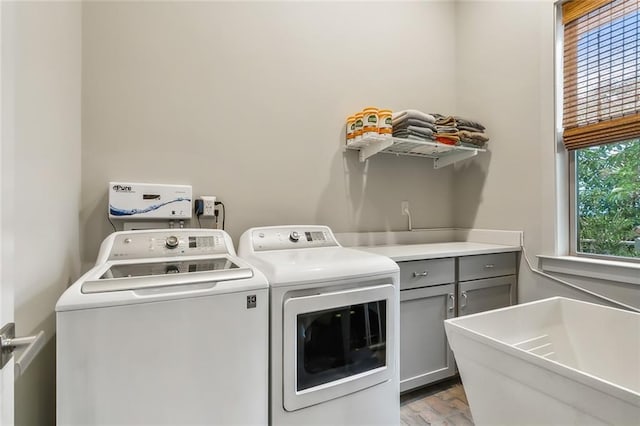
{"x": 366, "y": 196}
{"x": 470, "y": 177}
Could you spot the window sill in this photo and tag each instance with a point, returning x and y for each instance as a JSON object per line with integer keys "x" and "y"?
{"x": 624, "y": 272}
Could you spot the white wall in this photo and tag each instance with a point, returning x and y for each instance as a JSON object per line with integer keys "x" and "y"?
{"x": 42, "y": 109}
{"x": 247, "y": 101}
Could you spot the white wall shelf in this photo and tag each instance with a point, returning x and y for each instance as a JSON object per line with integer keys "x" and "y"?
{"x": 442, "y": 154}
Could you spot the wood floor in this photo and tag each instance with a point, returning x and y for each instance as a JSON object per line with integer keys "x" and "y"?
{"x": 438, "y": 405}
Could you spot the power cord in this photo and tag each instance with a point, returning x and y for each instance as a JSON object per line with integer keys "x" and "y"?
{"x": 198, "y": 209}
{"x": 574, "y": 286}
{"x": 224, "y": 213}
{"x": 114, "y": 227}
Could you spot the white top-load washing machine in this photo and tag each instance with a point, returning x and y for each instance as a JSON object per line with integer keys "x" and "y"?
{"x": 169, "y": 327}
{"x": 334, "y": 323}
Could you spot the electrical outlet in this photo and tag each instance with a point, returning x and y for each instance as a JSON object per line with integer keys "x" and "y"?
{"x": 405, "y": 208}
{"x": 209, "y": 205}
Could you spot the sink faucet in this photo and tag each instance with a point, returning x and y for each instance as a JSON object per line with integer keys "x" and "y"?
{"x": 406, "y": 211}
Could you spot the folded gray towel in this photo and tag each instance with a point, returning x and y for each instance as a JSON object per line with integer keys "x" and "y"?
{"x": 413, "y": 113}
{"x": 469, "y": 128}
{"x": 465, "y": 122}
{"x": 412, "y": 130}
{"x": 404, "y": 123}
{"x": 423, "y": 130}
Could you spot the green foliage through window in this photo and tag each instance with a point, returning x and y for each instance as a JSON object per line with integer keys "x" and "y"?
{"x": 608, "y": 199}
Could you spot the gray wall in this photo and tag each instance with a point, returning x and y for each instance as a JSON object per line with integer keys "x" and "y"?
{"x": 247, "y": 101}
{"x": 41, "y": 109}
{"x": 505, "y": 79}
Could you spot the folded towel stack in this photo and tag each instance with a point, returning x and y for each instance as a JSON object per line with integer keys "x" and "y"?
{"x": 413, "y": 124}
{"x": 471, "y": 133}
{"x": 446, "y": 130}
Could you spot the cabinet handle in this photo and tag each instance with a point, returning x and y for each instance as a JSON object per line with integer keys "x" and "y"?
{"x": 420, "y": 274}
{"x": 489, "y": 266}
{"x": 453, "y": 302}
{"x": 464, "y": 302}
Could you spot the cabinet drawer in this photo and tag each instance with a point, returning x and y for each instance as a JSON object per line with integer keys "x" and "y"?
{"x": 423, "y": 273}
{"x": 486, "y": 266}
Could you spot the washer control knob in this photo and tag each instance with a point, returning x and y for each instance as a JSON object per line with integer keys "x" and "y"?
{"x": 294, "y": 237}
{"x": 171, "y": 242}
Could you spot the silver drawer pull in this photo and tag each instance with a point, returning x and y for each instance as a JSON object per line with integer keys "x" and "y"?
{"x": 420, "y": 274}
{"x": 489, "y": 266}
{"x": 453, "y": 302}
{"x": 464, "y": 297}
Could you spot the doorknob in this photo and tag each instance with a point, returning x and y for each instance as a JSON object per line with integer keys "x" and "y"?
{"x": 8, "y": 343}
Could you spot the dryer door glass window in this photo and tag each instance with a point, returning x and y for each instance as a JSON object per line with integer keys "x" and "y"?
{"x": 340, "y": 342}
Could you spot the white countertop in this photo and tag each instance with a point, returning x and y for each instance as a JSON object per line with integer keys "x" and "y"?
{"x": 404, "y": 252}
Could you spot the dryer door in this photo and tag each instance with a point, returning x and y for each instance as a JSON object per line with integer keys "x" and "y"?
{"x": 337, "y": 343}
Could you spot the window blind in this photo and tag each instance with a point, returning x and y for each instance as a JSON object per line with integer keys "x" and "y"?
{"x": 601, "y": 66}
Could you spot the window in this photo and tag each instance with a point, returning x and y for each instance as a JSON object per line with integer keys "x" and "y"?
{"x": 601, "y": 120}
{"x": 608, "y": 199}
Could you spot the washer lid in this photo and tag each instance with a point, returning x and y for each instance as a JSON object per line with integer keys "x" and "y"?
{"x": 120, "y": 276}
{"x": 284, "y": 267}
{"x": 102, "y": 286}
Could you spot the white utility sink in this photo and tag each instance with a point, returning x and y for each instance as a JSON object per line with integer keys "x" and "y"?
{"x": 556, "y": 361}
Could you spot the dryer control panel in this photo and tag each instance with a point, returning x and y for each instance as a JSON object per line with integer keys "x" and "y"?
{"x": 292, "y": 237}
{"x": 165, "y": 243}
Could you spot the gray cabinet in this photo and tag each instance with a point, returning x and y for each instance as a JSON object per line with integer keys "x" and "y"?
{"x": 427, "y": 298}
{"x": 430, "y": 293}
{"x": 486, "y": 282}
{"x": 424, "y": 273}
{"x": 486, "y": 266}
{"x": 425, "y": 356}
{"x": 484, "y": 295}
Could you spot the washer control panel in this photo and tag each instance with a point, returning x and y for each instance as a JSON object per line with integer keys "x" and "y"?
{"x": 169, "y": 242}
{"x": 286, "y": 238}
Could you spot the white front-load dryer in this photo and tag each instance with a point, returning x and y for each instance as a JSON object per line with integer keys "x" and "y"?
{"x": 334, "y": 324}
{"x": 169, "y": 328}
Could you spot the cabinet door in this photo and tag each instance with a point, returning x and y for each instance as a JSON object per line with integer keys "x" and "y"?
{"x": 424, "y": 352}
{"x": 483, "y": 295}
